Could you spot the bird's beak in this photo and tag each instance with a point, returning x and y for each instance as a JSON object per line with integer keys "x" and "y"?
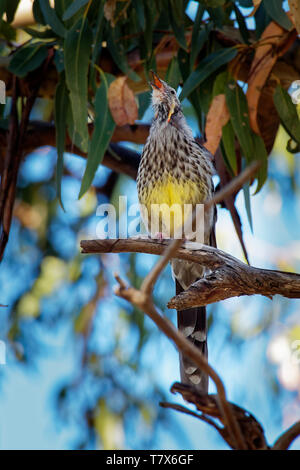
{"x": 156, "y": 82}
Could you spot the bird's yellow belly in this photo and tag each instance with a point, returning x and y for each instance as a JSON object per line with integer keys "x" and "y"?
{"x": 169, "y": 203}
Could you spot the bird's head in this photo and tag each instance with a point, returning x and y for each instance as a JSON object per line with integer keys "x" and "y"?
{"x": 164, "y": 99}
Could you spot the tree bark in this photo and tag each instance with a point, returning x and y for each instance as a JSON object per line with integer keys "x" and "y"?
{"x": 229, "y": 277}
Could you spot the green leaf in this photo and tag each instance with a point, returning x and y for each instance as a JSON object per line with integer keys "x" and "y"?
{"x": 217, "y": 16}
{"x": 73, "y": 8}
{"x": 7, "y": 31}
{"x": 27, "y": 58}
{"x": 242, "y": 24}
{"x": 2, "y": 7}
{"x": 140, "y": 13}
{"x": 246, "y": 3}
{"x": 212, "y": 3}
{"x": 252, "y": 145}
{"x": 51, "y": 18}
{"x": 74, "y": 135}
{"x": 238, "y": 109}
{"x": 194, "y": 98}
{"x": 220, "y": 83}
{"x": 104, "y": 126}
{"x": 97, "y": 45}
{"x": 197, "y": 30}
{"x": 77, "y": 49}
{"x": 176, "y": 13}
{"x": 148, "y": 33}
{"x": 61, "y": 103}
{"x": 260, "y": 153}
{"x": 198, "y": 41}
{"x": 287, "y": 113}
{"x": 228, "y": 140}
{"x": 11, "y": 8}
{"x": 246, "y": 191}
{"x": 277, "y": 13}
{"x": 35, "y": 33}
{"x": 173, "y": 75}
{"x": 144, "y": 102}
{"x": 119, "y": 56}
{"x": 37, "y": 12}
{"x": 59, "y": 60}
{"x": 206, "y": 67}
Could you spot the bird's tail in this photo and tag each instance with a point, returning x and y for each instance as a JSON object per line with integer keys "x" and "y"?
{"x": 192, "y": 323}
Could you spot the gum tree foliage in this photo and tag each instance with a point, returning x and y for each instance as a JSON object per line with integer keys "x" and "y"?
{"x": 59, "y": 71}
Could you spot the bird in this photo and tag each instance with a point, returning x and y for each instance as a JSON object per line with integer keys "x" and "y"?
{"x": 176, "y": 170}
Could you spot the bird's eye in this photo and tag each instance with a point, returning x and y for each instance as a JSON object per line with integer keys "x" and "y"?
{"x": 173, "y": 92}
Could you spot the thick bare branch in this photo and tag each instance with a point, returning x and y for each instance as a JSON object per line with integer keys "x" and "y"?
{"x": 230, "y": 277}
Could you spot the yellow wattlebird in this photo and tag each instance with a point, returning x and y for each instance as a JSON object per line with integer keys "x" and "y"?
{"x": 176, "y": 172}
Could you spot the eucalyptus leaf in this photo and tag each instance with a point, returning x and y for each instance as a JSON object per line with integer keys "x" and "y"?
{"x": 252, "y": 145}
{"x": 77, "y": 50}
{"x": 260, "y": 153}
{"x": 7, "y": 31}
{"x": 246, "y": 191}
{"x": 27, "y": 58}
{"x": 51, "y": 18}
{"x": 176, "y": 13}
{"x": 212, "y": 3}
{"x": 198, "y": 41}
{"x": 11, "y": 8}
{"x": 73, "y": 8}
{"x": 173, "y": 75}
{"x": 287, "y": 113}
{"x": 228, "y": 140}
{"x": 205, "y": 68}
{"x": 144, "y": 103}
{"x": 277, "y": 13}
{"x": 37, "y": 12}
{"x": 239, "y": 115}
{"x": 119, "y": 56}
{"x": 97, "y": 45}
{"x": 242, "y": 24}
{"x": 61, "y": 102}
{"x": 104, "y": 126}
{"x": 35, "y": 33}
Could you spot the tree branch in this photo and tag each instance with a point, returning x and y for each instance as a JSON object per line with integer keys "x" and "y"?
{"x": 144, "y": 301}
{"x": 121, "y": 160}
{"x": 285, "y": 440}
{"x": 252, "y": 430}
{"x": 230, "y": 277}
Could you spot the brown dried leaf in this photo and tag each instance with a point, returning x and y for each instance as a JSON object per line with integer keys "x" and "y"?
{"x": 122, "y": 102}
{"x": 217, "y": 117}
{"x": 275, "y": 41}
{"x": 295, "y": 13}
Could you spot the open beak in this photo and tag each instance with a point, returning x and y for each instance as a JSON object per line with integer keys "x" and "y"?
{"x": 156, "y": 83}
